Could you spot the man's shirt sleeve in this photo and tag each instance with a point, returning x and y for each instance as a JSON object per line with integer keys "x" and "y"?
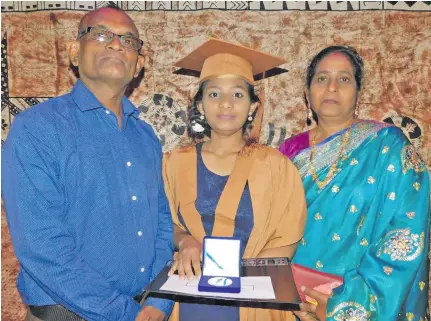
{"x": 164, "y": 245}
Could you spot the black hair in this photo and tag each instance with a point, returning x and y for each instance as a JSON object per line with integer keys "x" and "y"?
{"x": 351, "y": 54}
{"x": 194, "y": 116}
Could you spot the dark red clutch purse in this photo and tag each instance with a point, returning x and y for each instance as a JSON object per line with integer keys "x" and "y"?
{"x": 319, "y": 281}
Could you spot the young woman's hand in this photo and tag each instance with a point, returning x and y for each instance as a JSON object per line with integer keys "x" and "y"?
{"x": 188, "y": 258}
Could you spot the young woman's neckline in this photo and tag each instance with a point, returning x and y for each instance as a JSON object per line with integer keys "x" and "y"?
{"x": 199, "y": 152}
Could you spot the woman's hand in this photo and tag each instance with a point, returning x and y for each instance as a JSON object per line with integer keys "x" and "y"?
{"x": 312, "y": 311}
{"x": 188, "y": 258}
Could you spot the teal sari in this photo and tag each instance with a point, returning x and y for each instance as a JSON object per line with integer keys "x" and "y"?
{"x": 370, "y": 224}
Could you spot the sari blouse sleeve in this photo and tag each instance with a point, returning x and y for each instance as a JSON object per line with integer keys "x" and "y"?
{"x": 288, "y": 208}
{"x": 295, "y": 144}
{"x": 394, "y": 265}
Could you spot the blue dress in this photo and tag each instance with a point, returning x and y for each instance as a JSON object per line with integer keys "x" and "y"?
{"x": 210, "y": 188}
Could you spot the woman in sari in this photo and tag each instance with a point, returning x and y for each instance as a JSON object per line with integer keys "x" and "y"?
{"x": 227, "y": 184}
{"x": 367, "y": 193}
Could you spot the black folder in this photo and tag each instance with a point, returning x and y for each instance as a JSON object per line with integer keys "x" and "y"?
{"x": 278, "y": 269}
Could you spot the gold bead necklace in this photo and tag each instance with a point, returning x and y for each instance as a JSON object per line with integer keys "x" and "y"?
{"x": 331, "y": 172}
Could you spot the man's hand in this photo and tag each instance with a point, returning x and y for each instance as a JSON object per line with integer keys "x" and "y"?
{"x": 149, "y": 313}
{"x": 311, "y": 311}
{"x": 188, "y": 257}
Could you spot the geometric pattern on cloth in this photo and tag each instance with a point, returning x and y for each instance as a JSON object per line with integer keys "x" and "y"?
{"x": 4, "y": 66}
{"x": 30, "y": 6}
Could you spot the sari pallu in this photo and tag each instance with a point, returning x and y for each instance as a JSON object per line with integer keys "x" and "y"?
{"x": 370, "y": 224}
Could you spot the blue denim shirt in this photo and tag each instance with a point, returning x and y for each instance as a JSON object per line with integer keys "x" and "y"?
{"x": 86, "y": 207}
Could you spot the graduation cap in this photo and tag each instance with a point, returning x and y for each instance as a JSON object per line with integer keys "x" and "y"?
{"x": 220, "y": 59}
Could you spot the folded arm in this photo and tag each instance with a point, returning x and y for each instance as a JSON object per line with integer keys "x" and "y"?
{"x": 289, "y": 212}
{"x": 392, "y": 271}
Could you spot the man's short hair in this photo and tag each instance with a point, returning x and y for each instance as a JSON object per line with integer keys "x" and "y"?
{"x": 111, "y": 5}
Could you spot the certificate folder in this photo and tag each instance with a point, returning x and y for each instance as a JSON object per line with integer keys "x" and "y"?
{"x": 278, "y": 269}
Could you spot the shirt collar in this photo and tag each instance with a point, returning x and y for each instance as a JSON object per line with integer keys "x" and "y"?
{"x": 86, "y": 100}
{"x": 129, "y": 109}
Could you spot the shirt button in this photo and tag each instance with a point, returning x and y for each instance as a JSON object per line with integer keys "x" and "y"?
{"x": 142, "y": 269}
{"x": 107, "y": 112}
{"x": 139, "y": 233}
{"x": 129, "y": 164}
{"x": 134, "y": 198}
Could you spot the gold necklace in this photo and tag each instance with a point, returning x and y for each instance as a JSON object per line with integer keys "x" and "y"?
{"x": 331, "y": 172}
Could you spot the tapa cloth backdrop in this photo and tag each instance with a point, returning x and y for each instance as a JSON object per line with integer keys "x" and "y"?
{"x": 394, "y": 38}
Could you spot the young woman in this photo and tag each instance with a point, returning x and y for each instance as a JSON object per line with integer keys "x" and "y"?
{"x": 225, "y": 184}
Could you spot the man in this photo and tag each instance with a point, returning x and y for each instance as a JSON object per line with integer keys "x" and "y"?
{"x": 83, "y": 188}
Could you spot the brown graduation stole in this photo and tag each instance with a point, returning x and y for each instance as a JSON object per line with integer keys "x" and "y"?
{"x": 225, "y": 213}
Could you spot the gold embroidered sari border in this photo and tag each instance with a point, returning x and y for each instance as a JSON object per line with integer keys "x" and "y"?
{"x": 327, "y": 153}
